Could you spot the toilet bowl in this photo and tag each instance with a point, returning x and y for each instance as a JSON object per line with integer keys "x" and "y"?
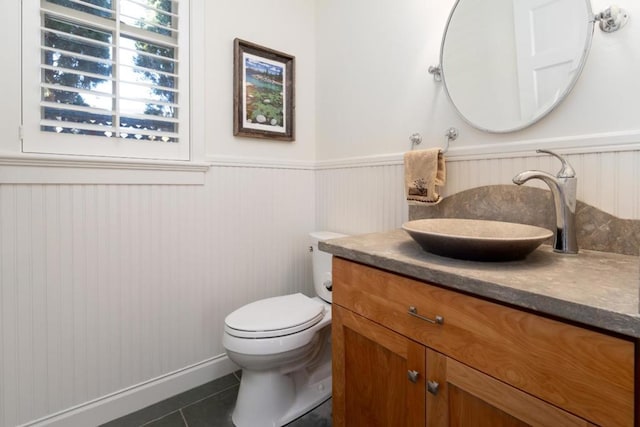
{"x": 283, "y": 345}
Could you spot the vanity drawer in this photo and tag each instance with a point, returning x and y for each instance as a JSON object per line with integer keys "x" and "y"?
{"x": 588, "y": 373}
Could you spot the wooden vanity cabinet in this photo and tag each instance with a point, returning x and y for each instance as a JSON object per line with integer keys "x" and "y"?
{"x": 373, "y": 387}
{"x": 408, "y": 353}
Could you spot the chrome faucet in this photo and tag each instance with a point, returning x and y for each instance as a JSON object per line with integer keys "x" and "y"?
{"x": 563, "y": 188}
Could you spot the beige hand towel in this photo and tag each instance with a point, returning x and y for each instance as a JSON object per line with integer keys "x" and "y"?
{"x": 424, "y": 171}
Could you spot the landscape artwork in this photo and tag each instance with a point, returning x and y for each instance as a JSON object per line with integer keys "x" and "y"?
{"x": 263, "y": 92}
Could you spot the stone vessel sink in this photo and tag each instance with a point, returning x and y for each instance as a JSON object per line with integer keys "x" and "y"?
{"x": 476, "y": 239}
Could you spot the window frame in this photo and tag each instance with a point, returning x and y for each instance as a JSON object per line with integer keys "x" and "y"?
{"x": 36, "y": 141}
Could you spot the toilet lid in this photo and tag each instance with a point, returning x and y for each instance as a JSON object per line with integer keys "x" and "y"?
{"x": 274, "y": 317}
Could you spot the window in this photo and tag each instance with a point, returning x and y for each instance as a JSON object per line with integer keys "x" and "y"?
{"x": 106, "y": 78}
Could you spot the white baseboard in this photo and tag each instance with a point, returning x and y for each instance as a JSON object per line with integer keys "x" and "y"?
{"x": 123, "y": 402}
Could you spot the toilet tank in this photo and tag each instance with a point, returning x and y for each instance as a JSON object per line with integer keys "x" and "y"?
{"x": 322, "y": 264}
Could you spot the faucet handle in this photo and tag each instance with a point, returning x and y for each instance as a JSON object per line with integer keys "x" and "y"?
{"x": 567, "y": 171}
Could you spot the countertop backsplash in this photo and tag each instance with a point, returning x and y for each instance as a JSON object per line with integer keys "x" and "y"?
{"x": 597, "y": 230}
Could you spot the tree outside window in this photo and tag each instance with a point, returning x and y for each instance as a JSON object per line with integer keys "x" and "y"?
{"x": 109, "y": 80}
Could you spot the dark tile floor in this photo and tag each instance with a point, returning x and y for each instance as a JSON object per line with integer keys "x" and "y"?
{"x": 209, "y": 405}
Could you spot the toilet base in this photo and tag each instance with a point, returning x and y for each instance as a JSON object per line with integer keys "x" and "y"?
{"x": 272, "y": 399}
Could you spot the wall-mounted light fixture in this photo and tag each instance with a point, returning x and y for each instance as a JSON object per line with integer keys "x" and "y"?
{"x": 612, "y": 19}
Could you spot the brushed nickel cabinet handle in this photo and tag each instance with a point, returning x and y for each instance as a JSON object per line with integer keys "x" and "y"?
{"x": 438, "y": 320}
{"x": 413, "y": 376}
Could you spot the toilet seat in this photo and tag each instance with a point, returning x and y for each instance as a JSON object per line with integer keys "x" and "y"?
{"x": 274, "y": 317}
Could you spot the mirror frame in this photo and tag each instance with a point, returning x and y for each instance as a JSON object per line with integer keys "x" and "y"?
{"x": 569, "y": 87}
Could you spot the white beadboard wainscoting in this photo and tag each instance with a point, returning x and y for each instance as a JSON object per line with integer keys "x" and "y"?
{"x": 606, "y": 180}
{"x": 361, "y": 199}
{"x": 118, "y": 293}
{"x": 367, "y": 194}
{"x": 113, "y": 297}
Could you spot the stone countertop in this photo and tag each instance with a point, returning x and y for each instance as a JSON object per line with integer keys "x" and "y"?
{"x": 597, "y": 289}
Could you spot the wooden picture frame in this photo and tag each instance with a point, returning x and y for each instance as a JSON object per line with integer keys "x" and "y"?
{"x": 263, "y": 92}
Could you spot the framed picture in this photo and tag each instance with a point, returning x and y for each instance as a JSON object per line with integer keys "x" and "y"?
{"x": 263, "y": 92}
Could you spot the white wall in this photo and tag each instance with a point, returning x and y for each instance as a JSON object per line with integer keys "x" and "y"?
{"x": 284, "y": 25}
{"x": 372, "y": 57}
{"x": 103, "y": 290}
{"x": 377, "y": 54}
{"x": 104, "y": 287}
{"x": 113, "y": 296}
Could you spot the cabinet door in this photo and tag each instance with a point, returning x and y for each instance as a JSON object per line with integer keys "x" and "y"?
{"x": 378, "y": 375}
{"x": 460, "y": 396}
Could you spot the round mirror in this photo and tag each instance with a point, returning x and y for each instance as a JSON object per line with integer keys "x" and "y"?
{"x": 506, "y": 64}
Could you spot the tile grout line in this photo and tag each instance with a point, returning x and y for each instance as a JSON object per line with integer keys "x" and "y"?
{"x": 207, "y": 397}
{"x": 184, "y": 405}
{"x": 156, "y": 419}
{"x": 186, "y": 424}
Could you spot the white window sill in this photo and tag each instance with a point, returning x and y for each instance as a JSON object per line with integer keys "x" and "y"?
{"x": 37, "y": 169}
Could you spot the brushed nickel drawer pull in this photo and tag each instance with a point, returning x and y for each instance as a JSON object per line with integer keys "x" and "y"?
{"x": 439, "y": 320}
{"x": 413, "y": 376}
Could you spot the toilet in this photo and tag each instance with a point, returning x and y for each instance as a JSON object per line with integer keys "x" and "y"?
{"x": 283, "y": 345}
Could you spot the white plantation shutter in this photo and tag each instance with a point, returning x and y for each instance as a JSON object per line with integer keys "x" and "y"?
{"x": 106, "y": 78}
